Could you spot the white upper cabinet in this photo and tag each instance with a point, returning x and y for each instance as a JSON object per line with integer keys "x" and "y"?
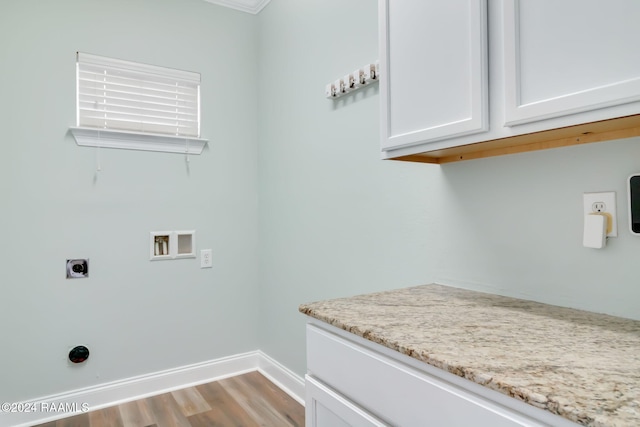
{"x": 433, "y": 70}
{"x": 565, "y": 57}
{"x": 465, "y": 79}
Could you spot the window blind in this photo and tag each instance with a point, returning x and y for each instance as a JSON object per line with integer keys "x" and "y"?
{"x": 129, "y": 96}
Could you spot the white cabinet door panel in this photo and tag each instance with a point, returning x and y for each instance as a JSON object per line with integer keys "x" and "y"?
{"x": 326, "y": 408}
{"x": 433, "y": 70}
{"x": 565, "y": 56}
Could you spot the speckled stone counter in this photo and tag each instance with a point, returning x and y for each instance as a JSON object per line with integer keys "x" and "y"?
{"x": 580, "y": 365}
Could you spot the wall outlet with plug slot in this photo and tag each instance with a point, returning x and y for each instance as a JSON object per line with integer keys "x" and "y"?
{"x": 206, "y": 258}
{"x": 603, "y": 203}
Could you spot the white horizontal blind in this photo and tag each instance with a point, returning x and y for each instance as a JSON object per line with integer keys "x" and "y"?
{"x": 123, "y": 95}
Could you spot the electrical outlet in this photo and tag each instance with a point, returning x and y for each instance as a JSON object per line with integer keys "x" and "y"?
{"x": 206, "y": 258}
{"x": 605, "y": 204}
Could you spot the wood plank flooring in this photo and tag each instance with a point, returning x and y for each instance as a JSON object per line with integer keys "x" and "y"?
{"x": 243, "y": 401}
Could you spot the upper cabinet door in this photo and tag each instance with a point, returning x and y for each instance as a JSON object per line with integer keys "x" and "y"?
{"x": 433, "y": 70}
{"x": 565, "y": 57}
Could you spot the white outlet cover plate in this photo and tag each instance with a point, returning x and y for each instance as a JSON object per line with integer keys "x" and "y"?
{"x": 205, "y": 258}
{"x": 609, "y": 199}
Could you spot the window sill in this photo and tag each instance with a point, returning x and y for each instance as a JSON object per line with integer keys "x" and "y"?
{"x": 89, "y": 137}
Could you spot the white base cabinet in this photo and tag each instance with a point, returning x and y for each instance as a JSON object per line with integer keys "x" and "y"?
{"x": 354, "y": 382}
{"x": 325, "y": 407}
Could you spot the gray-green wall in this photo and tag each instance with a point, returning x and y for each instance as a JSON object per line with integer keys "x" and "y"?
{"x": 337, "y": 221}
{"x": 290, "y": 194}
{"x": 136, "y": 316}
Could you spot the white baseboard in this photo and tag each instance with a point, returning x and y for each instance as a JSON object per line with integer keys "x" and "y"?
{"x": 287, "y": 380}
{"x": 117, "y": 392}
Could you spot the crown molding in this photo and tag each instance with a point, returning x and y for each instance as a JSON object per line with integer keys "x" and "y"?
{"x": 249, "y": 6}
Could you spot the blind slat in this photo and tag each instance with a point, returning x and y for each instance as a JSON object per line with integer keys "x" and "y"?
{"x": 140, "y": 87}
{"x": 136, "y": 125}
{"x": 147, "y": 105}
{"x": 122, "y": 95}
{"x": 98, "y": 74}
{"x": 110, "y": 108}
{"x": 110, "y": 114}
{"x": 138, "y": 92}
{"x": 135, "y": 98}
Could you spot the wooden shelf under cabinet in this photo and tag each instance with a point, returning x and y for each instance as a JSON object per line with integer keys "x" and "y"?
{"x": 605, "y": 130}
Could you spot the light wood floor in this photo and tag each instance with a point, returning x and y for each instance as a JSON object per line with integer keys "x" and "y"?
{"x": 244, "y": 400}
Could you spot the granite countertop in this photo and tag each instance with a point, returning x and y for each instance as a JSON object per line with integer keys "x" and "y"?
{"x": 580, "y": 365}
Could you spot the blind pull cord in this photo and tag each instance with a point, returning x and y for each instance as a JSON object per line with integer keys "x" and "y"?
{"x": 98, "y": 163}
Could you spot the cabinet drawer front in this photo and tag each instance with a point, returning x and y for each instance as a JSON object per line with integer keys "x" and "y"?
{"x": 398, "y": 394}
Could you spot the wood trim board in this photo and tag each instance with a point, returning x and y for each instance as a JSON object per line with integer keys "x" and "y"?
{"x": 605, "y": 130}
